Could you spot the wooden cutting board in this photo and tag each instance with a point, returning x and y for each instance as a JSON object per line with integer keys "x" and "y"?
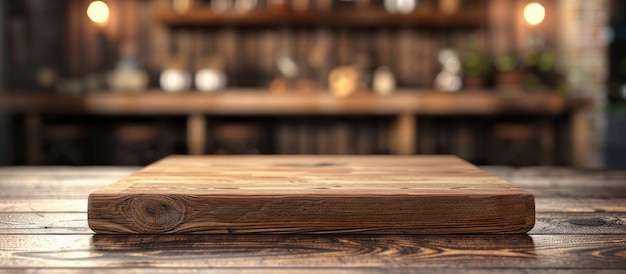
{"x": 311, "y": 194}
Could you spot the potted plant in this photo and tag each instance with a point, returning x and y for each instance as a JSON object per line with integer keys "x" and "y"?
{"x": 509, "y": 74}
{"x": 477, "y": 68}
{"x": 542, "y": 73}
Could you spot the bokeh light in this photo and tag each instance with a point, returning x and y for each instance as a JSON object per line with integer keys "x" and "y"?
{"x": 98, "y": 12}
{"x": 534, "y": 13}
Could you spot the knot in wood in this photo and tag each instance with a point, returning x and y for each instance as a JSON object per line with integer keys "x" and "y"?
{"x": 156, "y": 213}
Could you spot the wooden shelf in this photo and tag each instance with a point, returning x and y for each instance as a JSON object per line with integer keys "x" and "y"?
{"x": 405, "y": 105}
{"x": 263, "y": 102}
{"x": 204, "y": 17}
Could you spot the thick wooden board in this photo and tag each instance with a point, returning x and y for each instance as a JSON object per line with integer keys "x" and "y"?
{"x": 311, "y": 194}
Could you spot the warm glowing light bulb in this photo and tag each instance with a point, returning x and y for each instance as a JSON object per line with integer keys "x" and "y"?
{"x": 534, "y": 13}
{"x": 98, "y": 12}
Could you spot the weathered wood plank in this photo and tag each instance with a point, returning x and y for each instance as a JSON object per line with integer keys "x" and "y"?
{"x": 545, "y": 176}
{"x": 77, "y": 182}
{"x": 548, "y": 176}
{"x": 44, "y": 223}
{"x": 546, "y": 223}
{"x": 98, "y": 171}
{"x": 580, "y": 228}
{"x": 82, "y": 191}
{"x": 51, "y": 192}
{"x": 542, "y": 204}
{"x": 300, "y": 270}
{"x": 311, "y": 194}
{"x": 562, "y": 183}
{"x": 579, "y": 223}
{"x": 44, "y": 205}
{"x": 303, "y": 251}
{"x": 578, "y": 192}
{"x": 560, "y": 204}
{"x": 57, "y": 183}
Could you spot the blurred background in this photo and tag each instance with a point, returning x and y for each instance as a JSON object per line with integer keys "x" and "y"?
{"x": 498, "y": 82}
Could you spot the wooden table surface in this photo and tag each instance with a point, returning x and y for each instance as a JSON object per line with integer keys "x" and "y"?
{"x": 581, "y": 225}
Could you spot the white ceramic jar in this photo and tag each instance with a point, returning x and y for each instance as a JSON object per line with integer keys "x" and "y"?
{"x": 209, "y": 80}
{"x": 175, "y": 80}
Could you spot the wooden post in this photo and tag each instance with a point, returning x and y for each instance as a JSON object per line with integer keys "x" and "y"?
{"x": 546, "y": 142}
{"x": 196, "y": 134}
{"x": 33, "y": 138}
{"x": 579, "y": 138}
{"x": 5, "y": 124}
{"x": 403, "y": 134}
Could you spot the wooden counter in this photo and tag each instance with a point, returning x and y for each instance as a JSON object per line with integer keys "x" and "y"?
{"x": 262, "y": 102}
{"x": 473, "y": 17}
{"x": 405, "y": 105}
{"x": 580, "y": 227}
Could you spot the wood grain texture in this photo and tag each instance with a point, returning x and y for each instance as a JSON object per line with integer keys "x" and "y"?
{"x": 545, "y": 224}
{"x": 28, "y": 183}
{"x": 316, "y": 251}
{"x": 542, "y": 204}
{"x": 311, "y": 194}
{"x": 554, "y": 183}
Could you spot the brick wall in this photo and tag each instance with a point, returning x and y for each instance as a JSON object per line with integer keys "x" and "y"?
{"x": 584, "y": 55}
